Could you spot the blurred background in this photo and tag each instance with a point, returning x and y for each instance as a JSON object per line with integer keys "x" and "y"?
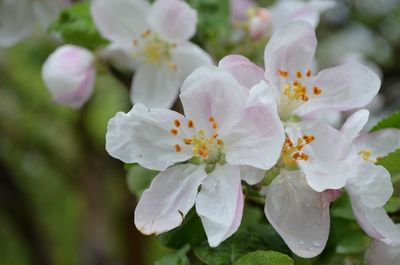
{"x": 65, "y": 201}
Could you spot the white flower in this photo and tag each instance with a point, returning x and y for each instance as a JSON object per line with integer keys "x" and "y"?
{"x": 69, "y": 74}
{"x": 380, "y": 253}
{"x": 225, "y": 135}
{"x": 372, "y": 187}
{"x": 155, "y": 40}
{"x": 17, "y": 18}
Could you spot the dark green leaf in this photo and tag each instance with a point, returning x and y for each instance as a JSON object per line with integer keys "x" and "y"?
{"x": 190, "y": 232}
{"x": 393, "y": 121}
{"x": 139, "y": 179}
{"x": 178, "y": 258}
{"x": 265, "y": 258}
{"x": 393, "y": 205}
{"x": 75, "y": 25}
{"x": 391, "y": 162}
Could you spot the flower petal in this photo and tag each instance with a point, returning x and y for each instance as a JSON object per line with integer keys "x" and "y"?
{"x": 173, "y": 20}
{"x": 220, "y": 203}
{"x": 171, "y": 195}
{"x": 290, "y": 49}
{"x": 355, "y": 123}
{"x": 143, "y": 135}
{"x": 16, "y": 21}
{"x": 376, "y": 222}
{"x": 251, "y": 175}
{"x": 381, "y": 142}
{"x": 46, "y": 11}
{"x": 121, "y": 57}
{"x": 239, "y": 7}
{"x": 247, "y": 73}
{"x": 344, "y": 87}
{"x": 69, "y": 75}
{"x": 155, "y": 85}
{"x": 212, "y": 92}
{"x": 298, "y": 213}
{"x": 187, "y": 57}
{"x": 380, "y": 253}
{"x": 120, "y": 20}
{"x": 257, "y": 137}
{"x": 331, "y": 155}
{"x": 372, "y": 185}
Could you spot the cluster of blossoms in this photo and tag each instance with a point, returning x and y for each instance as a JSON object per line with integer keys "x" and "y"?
{"x": 241, "y": 121}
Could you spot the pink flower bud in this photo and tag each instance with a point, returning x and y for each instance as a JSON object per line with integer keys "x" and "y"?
{"x": 259, "y": 23}
{"x": 68, "y": 74}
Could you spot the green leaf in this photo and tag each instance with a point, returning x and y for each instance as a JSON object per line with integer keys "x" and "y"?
{"x": 341, "y": 207}
{"x": 391, "y": 162}
{"x": 190, "y": 232}
{"x": 75, "y": 25}
{"x": 252, "y": 238}
{"x": 178, "y": 258}
{"x": 265, "y": 258}
{"x": 393, "y": 121}
{"x": 139, "y": 179}
{"x": 393, "y": 205}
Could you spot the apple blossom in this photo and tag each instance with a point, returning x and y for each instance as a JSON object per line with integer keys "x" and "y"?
{"x": 17, "y": 18}
{"x": 380, "y": 253}
{"x": 371, "y": 188}
{"x": 155, "y": 38}
{"x": 225, "y": 136}
{"x": 69, "y": 74}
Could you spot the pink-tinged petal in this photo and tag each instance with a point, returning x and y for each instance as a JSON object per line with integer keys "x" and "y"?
{"x": 372, "y": 185}
{"x": 246, "y": 72}
{"x": 380, "y": 253}
{"x": 286, "y": 11}
{"x": 16, "y": 21}
{"x": 290, "y": 49}
{"x": 257, "y": 137}
{"x": 155, "y": 85}
{"x": 46, "y": 11}
{"x": 376, "y": 222}
{"x": 68, "y": 74}
{"x": 173, "y": 20}
{"x": 121, "y": 57}
{"x": 331, "y": 117}
{"x": 355, "y": 123}
{"x": 381, "y": 142}
{"x": 239, "y": 7}
{"x": 260, "y": 23}
{"x": 298, "y": 213}
{"x": 212, "y": 92}
{"x": 344, "y": 87}
{"x": 171, "y": 195}
{"x": 144, "y": 136}
{"x": 188, "y": 57}
{"x": 331, "y": 156}
{"x": 220, "y": 203}
{"x": 120, "y": 20}
{"x": 251, "y": 175}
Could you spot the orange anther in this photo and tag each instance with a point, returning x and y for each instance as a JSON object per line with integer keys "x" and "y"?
{"x": 304, "y": 156}
{"x": 296, "y": 155}
{"x": 317, "y": 90}
{"x": 299, "y": 74}
{"x": 215, "y": 135}
{"x": 145, "y": 33}
{"x": 295, "y": 83}
{"x": 174, "y": 131}
{"x": 173, "y": 45}
{"x": 215, "y": 125}
{"x": 188, "y": 141}
{"x": 177, "y": 123}
{"x": 283, "y": 73}
{"x": 309, "y": 73}
{"x": 211, "y": 119}
{"x": 219, "y": 142}
{"x": 304, "y": 98}
{"x": 178, "y": 148}
{"x": 190, "y": 124}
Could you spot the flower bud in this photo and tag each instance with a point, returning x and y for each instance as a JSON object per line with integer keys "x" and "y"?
{"x": 259, "y": 23}
{"x": 68, "y": 74}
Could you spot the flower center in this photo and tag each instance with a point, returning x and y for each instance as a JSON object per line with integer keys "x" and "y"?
{"x": 296, "y": 91}
{"x": 291, "y": 152}
{"x": 153, "y": 49}
{"x": 205, "y": 148}
{"x": 366, "y": 155}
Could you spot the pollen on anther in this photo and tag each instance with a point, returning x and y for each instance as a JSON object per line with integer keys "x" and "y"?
{"x": 308, "y": 73}
{"x": 299, "y": 74}
{"x": 177, "y": 123}
{"x": 215, "y": 135}
{"x": 317, "y": 90}
{"x": 187, "y": 141}
{"x": 304, "y": 98}
{"x": 190, "y": 124}
{"x": 174, "y": 131}
{"x": 211, "y": 119}
{"x": 283, "y": 73}
{"x": 219, "y": 142}
{"x": 215, "y": 125}
{"x": 145, "y": 33}
{"x": 178, "y": 148}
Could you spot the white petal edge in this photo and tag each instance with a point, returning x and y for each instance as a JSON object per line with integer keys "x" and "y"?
{"x": 355, "y": 123}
